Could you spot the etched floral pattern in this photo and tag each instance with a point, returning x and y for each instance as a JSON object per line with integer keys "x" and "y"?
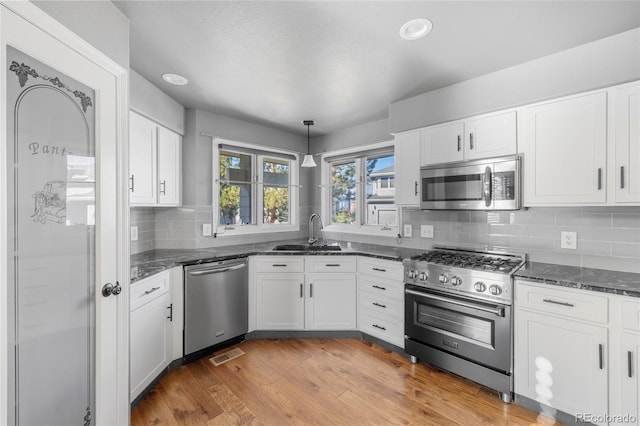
{"x": 24, "y": 71}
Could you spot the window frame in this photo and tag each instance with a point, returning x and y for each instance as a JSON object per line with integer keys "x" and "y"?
{"x": 257, "y": 193}
{"x": 359, "y": 154}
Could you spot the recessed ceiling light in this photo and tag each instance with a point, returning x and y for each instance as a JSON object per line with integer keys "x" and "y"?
{"x": 415, "y": 29}
{"x": 176, "y": 79}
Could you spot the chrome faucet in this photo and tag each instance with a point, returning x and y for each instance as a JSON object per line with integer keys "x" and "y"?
{"x": 313, "y": 239}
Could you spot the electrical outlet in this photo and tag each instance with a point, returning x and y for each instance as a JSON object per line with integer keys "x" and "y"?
{"x": 569, "y": 240}
{"x": 206, "y": 229}
{"x": 134, "y": 233}
{"x": 426, "y": 231}
{"x": 407, "y": 231}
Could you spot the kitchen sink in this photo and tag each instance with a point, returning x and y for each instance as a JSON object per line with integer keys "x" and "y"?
{"x": 305, "y": 247}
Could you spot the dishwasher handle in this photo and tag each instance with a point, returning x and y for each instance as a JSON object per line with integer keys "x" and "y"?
{"x": 217, "y": 270}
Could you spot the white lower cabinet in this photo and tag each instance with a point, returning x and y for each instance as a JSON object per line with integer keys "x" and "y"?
{"x": 280, "y": 301}
{"x": 150, "y": 330}
{"x": 331, "y": 301}
{"x": 381, "y": 299}
{"x": 577, "y": 351}
{"x": 323, "y": 298}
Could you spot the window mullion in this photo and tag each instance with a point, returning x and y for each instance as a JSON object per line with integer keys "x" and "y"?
{"x": 256, "y": 202}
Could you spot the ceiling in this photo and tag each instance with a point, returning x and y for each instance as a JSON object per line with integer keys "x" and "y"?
{"x": 342, "y": 63}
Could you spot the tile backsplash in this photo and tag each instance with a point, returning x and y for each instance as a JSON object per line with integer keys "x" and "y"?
{"x": 607, "y": 237}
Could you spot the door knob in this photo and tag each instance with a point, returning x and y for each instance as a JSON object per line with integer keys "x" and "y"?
{"x": 108, "y": 289}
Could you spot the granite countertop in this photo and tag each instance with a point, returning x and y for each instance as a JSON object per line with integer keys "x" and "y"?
{"x": 152, "y": 262}
{"x": 613, "y": 282}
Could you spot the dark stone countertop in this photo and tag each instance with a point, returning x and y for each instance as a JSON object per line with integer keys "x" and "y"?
{"x": 152, "y": 262}
{"x": 605, "y": 281}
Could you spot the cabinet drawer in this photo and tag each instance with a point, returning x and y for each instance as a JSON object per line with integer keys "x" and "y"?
{"x": 631, "y": 315}
{"x": 280, "y": 264}
{"x": 148, "y": 289}
{"x": 578, "y": 304}
{"x": 381, "y": 326}
{"x": 331, "y": 264}
{"x": 381, "y": 304}
{"x": 381, "y": 268}
{"x": 382, "y": 287}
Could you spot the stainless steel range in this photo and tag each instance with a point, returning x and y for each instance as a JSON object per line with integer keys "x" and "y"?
{"x": 458, "y": 313}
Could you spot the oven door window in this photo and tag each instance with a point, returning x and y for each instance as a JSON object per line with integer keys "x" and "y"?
{"x": 452, "y": 188}
{"x": 456, "y": 323}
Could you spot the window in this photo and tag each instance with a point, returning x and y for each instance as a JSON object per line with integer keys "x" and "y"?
{"x": 255, "y": 190}
{"x": 360, "y": 189}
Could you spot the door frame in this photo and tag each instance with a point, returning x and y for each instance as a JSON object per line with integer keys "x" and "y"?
{"x": 120, "y": 378}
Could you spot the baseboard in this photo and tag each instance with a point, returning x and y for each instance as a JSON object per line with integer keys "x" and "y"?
{"x": 545, "y": 410}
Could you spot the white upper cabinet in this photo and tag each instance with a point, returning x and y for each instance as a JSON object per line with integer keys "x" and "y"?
{"x": 625, "y": 112}
{"x": 142, "y": 160}
{"x": 485, "y": 136}
{"x": 442, "y": 143}
{"x": 407, "y": 152}
{"x": 154, "y": 163}
{"x": 169, "y": 160}
{"x": 565, "y": 151}
{"x": 490, "y": 136}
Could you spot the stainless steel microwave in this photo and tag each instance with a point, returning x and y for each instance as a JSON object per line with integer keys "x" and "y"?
{"x": 491, "y": 184}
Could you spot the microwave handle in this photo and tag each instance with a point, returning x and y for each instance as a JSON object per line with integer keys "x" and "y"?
{"x": 486, "y": 190}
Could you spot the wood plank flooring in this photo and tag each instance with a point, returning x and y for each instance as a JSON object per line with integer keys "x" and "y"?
{"x": 322, "y": 382}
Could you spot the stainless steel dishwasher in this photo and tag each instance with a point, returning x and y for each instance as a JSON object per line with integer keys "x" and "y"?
{"x": 215, "y": 304}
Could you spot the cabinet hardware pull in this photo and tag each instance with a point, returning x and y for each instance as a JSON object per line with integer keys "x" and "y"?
{"x": 301, "y": 290}
{"x": 310, "y": 290}
{"x": 378, "y": 287}
{"x": 331, "y": 264}
{"x": 131, "y": 179}
{"x": 599, "y": 178}
{"x": 601, "y": 355}
{"x": 377, "y": 326}
{"x": 379, "y": 305}
{"x": 152, "y": 290}
{"x": 629, "y": 364}
{"x": 170, "y": 317}
{"x": 379, "y": 269}
{"x": 163, "y": 187}
{"x": 459, "y": 147}
{"x": 555, "y": 302}
{"x": 621, "y": 177}
{"x": 415, "y": 185}
{"x": 471, "y": 140}
{"x": 279, "y": 265}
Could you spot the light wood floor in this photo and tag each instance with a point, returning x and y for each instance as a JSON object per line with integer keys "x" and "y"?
{"x": 322, "y": 382}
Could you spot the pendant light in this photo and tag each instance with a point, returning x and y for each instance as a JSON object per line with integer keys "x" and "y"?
{"x": 308, "y": 160}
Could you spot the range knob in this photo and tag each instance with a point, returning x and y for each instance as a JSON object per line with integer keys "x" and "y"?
{"x": 480, "y": 286}
{"x": 412, "y": 274}
{"x": 495, "y": 290}
{"x": 423, "y": 276}
{"x": 456, "y": 281}
{"x": 444, "y": 278}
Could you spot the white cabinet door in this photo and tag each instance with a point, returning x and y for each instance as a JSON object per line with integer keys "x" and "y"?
{"x": 565, "y": 151}
{"x": 630, "y": 385}
{"x": 142, "y": 160}
{"x": 169, "y": 171}
{"x": 490, "y": 136}
{"x": 626, "y": 127}
{"x": 280, "y": 301}
{"x": 331, "y": 302}
{"x": 442, "y": 143}
{"x": 561, "y": 363}
{"x": 150, "y": 350}
{"x": 407, "y": 152}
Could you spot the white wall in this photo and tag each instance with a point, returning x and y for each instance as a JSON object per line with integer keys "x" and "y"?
{"x": 153, "y": 103}
{"x": 605, "y": 62}
{"x": 99, "y": 23}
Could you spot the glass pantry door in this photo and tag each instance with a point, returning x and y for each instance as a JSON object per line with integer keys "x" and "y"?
{"x": 61, "y": 234}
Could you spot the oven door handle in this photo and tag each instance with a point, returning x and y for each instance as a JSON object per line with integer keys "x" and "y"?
{"x": 499, "y": 310}
{"x": 486, "y": 183}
